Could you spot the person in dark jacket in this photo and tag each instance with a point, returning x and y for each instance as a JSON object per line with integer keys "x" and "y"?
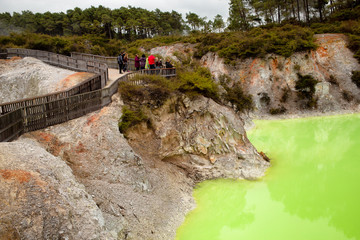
{"x": 137, "y": 62}
{"x": 142, "y": 61}
{"x": 168, "y": 64}
{"x": 120, "y": 62}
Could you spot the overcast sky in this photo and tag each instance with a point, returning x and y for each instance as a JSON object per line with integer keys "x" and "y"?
{"x": 204, "y": 8}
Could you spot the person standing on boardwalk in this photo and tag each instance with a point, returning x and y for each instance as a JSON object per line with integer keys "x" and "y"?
{"x": 137, "y": 62}
{"x": 125, "y": 60}
{"x": 142, "y": 61}
{"x": 120, "y": 62}
{"x": 168, "y": 63}
{"x": 151, "y": 61}
{"x": 147, "y": 65}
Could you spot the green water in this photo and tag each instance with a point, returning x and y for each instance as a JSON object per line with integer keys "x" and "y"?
{"x": 310, "y": 192}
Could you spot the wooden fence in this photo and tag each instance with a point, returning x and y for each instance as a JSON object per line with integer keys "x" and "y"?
{"x": 3, "y": 54}
{"x": 40, "y": 112}
{"x": 110, "y": 61}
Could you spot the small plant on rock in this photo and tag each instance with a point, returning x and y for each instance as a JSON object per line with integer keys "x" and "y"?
{"x": 306, "y": 89}
{"x": 347, "y": 96}
{"x": 130, "y": 118}
{"x": 356, "y": 78}
{"x": 276, "y": 111}
{"x": 333, "y": 80}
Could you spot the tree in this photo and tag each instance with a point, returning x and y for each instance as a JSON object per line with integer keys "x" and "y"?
{"x": 193, "y": 20}
{"x": 238, "y": 15}
{"x": 218, "y": 23}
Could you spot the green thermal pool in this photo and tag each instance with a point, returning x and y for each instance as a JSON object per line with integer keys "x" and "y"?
{"x": 311, "y": 191}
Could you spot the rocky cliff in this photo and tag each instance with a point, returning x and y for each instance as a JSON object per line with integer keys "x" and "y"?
{"x": 269, "y": 79}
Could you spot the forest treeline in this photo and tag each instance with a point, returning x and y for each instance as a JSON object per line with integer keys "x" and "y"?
{"x": 133, "y": 23}
{"x": 254, "y": 29}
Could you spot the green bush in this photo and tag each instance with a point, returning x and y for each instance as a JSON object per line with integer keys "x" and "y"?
{"x": 356, "y": 78}
{"x": 153, "y": 92}
{"x": 198, "y": 82}
{"x": 306, "y": 89}
{"x": 333, "y": 80}
{"x": 257, "y": 42}
{"x": 347, "y": 96}
{"x": 130, "y": 118}
{"x": 305, "y": 86}
{"x": 276, "y": 111}
{"x": 285, "y": 95}
{"x": 354, "y": 45}
{"x": 238, "y": 98}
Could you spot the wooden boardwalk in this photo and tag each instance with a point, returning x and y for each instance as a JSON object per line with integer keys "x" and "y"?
{"x": 113, "y": 76}
{"x": 43, "y": 111}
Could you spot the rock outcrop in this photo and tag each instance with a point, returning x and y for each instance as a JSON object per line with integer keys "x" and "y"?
{"x": 274, "y": 76}
{"x": 206, "y": 139}
{"x": 41, "y": 199}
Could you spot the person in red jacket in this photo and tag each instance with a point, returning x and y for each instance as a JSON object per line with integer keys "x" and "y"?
{"x": 151, "y": 59}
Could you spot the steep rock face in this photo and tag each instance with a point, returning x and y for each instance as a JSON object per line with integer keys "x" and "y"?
{"x": 40, "y": 198}
{"x": 204, "y": 138}
{"x": 140, "y": 197}
{"x": 275, "y": 76}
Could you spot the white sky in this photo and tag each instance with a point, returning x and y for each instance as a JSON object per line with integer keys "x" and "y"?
{"x": 204, "y": 8}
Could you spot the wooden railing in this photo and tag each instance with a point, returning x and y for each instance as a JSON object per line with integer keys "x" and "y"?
{"x": 110, "y": 61}
{"x": 3, "y": 54}
{"x": 40, "y": 112}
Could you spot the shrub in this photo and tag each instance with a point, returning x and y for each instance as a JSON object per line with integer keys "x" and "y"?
{"x": 354, "y": 45}
{"x": 198, "y": 82}
{"x": 297, "y": 67}
{"x": 275, "y": 111}
{"x": 153, "y": 92}
{"x": 347, "y": 96}
{"x": 305, "y": 86}
{"x": 306, "y": 89}
{"x": 238, "y": 98}
{"x": 356, "y": 78}
{"x": 285, "y": 95}
{"x": 130, "y": 118}
{"x": 333, "y": 80}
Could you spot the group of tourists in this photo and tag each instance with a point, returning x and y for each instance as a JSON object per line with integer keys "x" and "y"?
{"x": 144, "y": 62}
